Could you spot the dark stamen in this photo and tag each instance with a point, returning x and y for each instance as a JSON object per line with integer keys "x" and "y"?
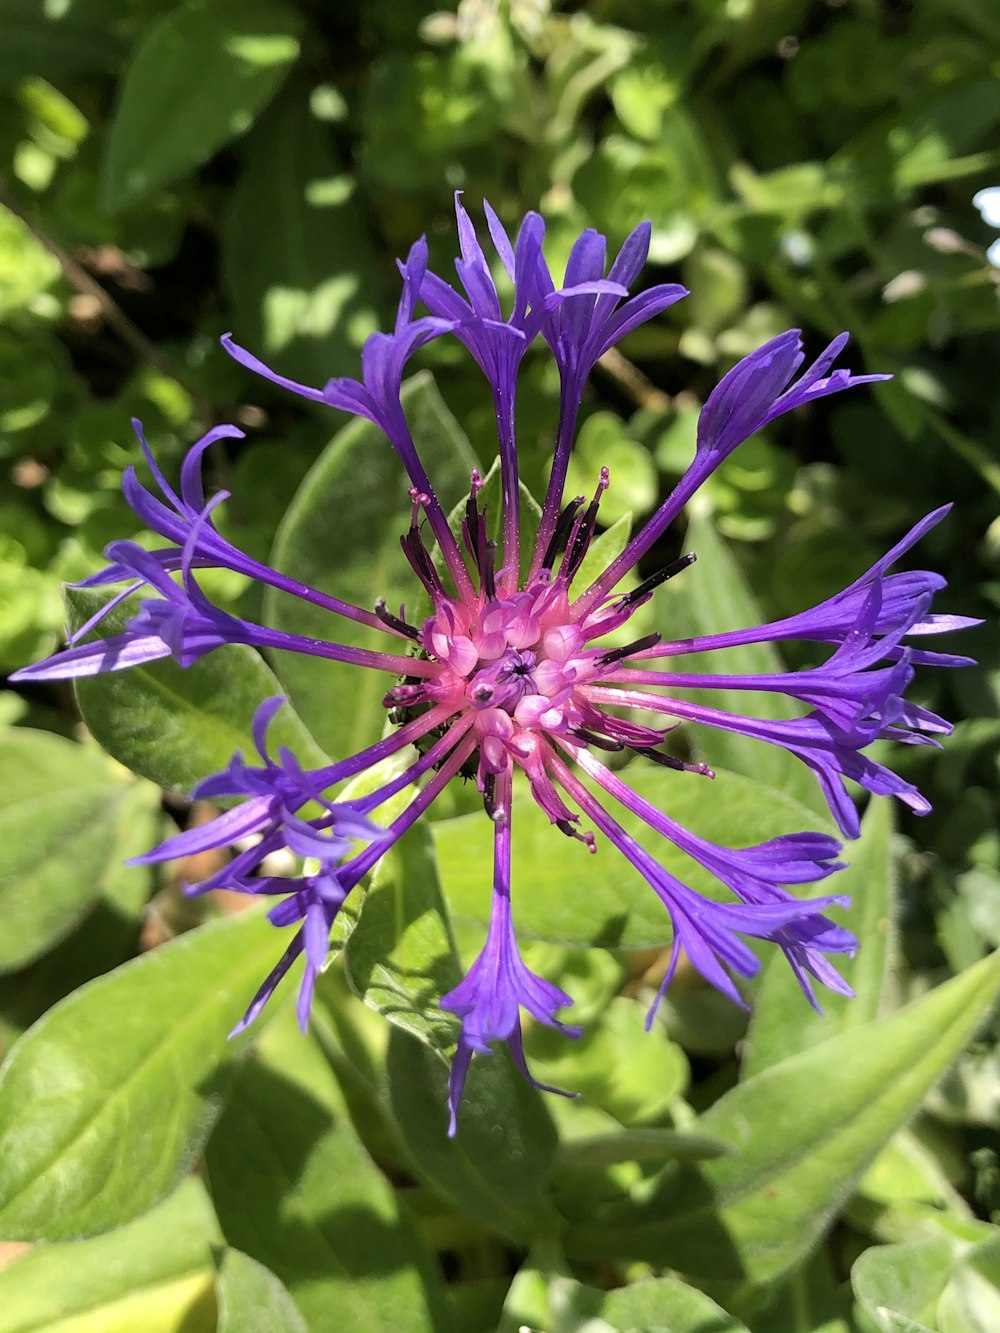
{"x": 564, "y": 826}
{"x": 601, "y": 742}
{"x": 648, "y": 585}
{"x": 616, "y": 654}
{"x": 394, "y": 622}
{"x": 562, "y": 530}
{"x": 490, "y": 794}
{"x": 421, "y": 562}
{"x": 482, "y": 550}
{"x": 585, "y": 530}
{"x": 488, "y": 571}
{"x": 668, "y": 761}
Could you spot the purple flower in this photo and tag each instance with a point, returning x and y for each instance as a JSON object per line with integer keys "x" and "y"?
{"x": 510, "y": 676}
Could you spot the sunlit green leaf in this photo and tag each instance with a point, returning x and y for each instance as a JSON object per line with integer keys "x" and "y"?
{"x": 293, "y": 1185}
{"x": 781, "y": 1023}
{"x": 198, "y": 79}
{"x": 60, "y": 809}
{"x": 755, "y": 1213}
{"x": 400, "y": 958}
{"x": 563, "y": 894}
{"x": 495, "y": 1168}
{"x": 106, "y": 1100}
{"x": 154, "y": 1274}
{"x": 175, "y": 724}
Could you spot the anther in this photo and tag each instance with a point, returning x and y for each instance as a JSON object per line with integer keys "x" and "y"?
{"x": 584, "y": 529}
{"x": 599, "y": 742}
{"x": 668, "y": 761}
{"x": 488, "y": 571}
{"x": 649, "y": 585}
{"x": 637, "y": 646}
{"x": 395, "y": 622}
{"x": 490, "y": 794}
{"x": 588, "y": 839}
{"x": 562, "y": 530}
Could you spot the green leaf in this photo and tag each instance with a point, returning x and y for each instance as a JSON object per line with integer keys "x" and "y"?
{"x": 106, "y": 1100}
{"x": 108, "y": 934}
{"x": 811, "y": 1299}
{"x": 648, "y": 1145}
{"x": 60, "y": 810}
{"x": 400, "y": 957}
{"x": 302, "y": 287}
{"x": 563, "y": 894}
{"x": 781, "y": 1024}
{"x": 944, "y": 1281}
{"x": 197, "y": 79}
{"x": 603, "y": 441}
{"x": 154, "y": 1274}
{"x": 498, "y": 1178}
{"x": 752, "y": 1215}
{"x": 175, "y": 724}
{"x": 294, "y": 1187}
{"x": 711, "y": 597}
{"x": 54, "y": 42}
{"x": 251, "y": 1297}
{"x": 652, "y": 1304}
{"x": 616, "y": 1065}
{"x": 359, "y": 477}
{"x": 899, "y": 1286}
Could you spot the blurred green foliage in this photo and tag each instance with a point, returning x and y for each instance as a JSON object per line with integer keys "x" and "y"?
{"x": 170, "y": 171}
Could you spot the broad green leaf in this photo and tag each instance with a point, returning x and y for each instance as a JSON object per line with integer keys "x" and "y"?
{"x": 341, "y": 534}
{"x": 293, "y": 1185}
{"x": 710, "y": 597}
{"x": 107, "y": 935}
{"x": 648, "y": 1145}
{"x": 563, "y": 894}
{"x": 654, "y": 1303}
{"x": 940, "y": 1282}
{"x": 400, "y": 957}
{"x": 541, "y": 1299}
{"x": 60, "y": 809}
{"x": 496, "y": 1166}
{"x": 899, "y": 1286}
{"x": 251, "y": 1297}
{"x": 175, "y": 724}
{"x": 603, "y": 441}
{"x": 781, "y": 1023}
{"x": 616, "y": 1065}
{"x": 302, "y": 287}
{"x": 811, "y": 1299}
{"x": 54, "y": 42}
{"x": 106, "y": 1100}
{"x": 907, "y": 1170}
{"x": 197, "y": 79}
{"x": 801, "y": 1133}
{"x": 155, "y": 1274}
{"x": 971, "y": 1301}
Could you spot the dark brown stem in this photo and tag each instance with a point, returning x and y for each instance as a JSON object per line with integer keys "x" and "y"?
{"x": 77, "y": 276}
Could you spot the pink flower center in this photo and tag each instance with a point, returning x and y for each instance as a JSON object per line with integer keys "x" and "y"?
{"x": 513, "y": 663}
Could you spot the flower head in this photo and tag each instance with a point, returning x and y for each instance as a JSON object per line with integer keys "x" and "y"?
{"x": 510, "y": 679}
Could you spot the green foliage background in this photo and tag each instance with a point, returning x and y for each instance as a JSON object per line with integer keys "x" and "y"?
{"x": 173, "y": 171}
